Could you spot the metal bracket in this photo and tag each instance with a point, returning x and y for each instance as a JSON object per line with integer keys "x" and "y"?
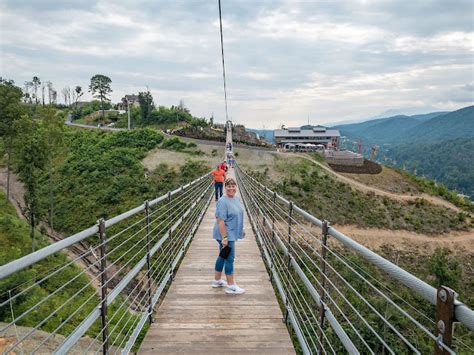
{"x": 444, "y": 319}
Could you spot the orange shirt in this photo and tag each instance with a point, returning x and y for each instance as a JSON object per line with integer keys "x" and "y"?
{"x": 219, "y": 175}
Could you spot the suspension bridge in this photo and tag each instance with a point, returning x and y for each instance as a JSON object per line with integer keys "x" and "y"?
{"x": 141, "y": 282}
{"x": 152, "y": 268}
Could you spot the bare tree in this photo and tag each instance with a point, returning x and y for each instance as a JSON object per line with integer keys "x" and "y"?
{"x": 68, "y": 90}
{"x": 28, "y": 85}
{"x": 36, "y": 84}
{"x": 49, "y": 84}
{"x": 54, "y": 96}
{"x": 42, "y": 92}
{"x": 64, "y": 92}
{"x": 73, "y": 96}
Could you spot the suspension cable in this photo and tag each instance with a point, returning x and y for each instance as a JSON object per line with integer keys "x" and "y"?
{"x": 223, "y": 62}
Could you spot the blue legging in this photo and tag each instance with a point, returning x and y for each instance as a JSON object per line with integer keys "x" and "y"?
{"x": 218, "y": 189}
{"x": 227, "y": 263}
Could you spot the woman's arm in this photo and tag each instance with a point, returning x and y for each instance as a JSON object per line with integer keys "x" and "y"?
{"x": 222, "y": 230}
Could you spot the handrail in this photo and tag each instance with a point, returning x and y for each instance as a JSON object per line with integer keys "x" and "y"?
{"x": 153, "y": 242}
{"x": 287, "y": 243}
{"x": 463, "y": 313}
{"x": 30, "y": 259}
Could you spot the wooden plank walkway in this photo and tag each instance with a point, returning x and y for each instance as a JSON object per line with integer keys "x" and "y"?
{"x": 196, "y": 318}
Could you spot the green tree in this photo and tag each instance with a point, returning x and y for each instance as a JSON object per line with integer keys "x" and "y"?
{"x": 79, "y": 93}
{"x": 30, "y": 160}
{"x": 145, "y": 99}
{"x": 53, "y": 132}
{"x": 100, "y": 89}
{"x": 10, "y": 111}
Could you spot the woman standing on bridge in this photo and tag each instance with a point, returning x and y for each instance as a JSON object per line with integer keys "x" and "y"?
{"x": 227, "y": 230}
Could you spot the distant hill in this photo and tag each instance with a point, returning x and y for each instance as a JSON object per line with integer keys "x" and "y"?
{"x": 437, "y": 145}
{"x": 451, "y": 162}
{"x": 449, "y": 126}
{"x": 386, "y": 130}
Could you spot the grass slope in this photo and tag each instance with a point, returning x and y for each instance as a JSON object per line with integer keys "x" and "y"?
{"x": 324, "y": 197}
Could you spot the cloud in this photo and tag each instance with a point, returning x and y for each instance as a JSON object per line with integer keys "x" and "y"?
{"x": 285, "y": 60}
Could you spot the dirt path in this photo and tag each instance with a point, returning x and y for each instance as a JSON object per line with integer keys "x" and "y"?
{"x": 375, "y": 238}
{"x": 16, "y": 190}
{"x": 364, "y": 188}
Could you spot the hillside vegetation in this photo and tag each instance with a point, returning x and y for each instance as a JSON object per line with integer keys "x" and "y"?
{"x": 320, "y": 194}
{"x": 102, "y": 176}
{"x": 75, "y": 299}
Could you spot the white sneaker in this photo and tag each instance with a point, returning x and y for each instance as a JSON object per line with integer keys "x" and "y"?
{"x": 219, "y": 283}
{"x": 234, "y": 290}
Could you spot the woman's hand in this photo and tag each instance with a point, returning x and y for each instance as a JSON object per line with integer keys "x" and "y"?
{"x": 225, "y": 242}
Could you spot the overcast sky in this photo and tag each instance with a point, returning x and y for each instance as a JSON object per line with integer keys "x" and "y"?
{"x": 286, "y": 61}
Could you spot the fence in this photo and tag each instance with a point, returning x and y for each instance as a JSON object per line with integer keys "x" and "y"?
{"x": 131, "y": 257}
{"x": 339, "y": 296}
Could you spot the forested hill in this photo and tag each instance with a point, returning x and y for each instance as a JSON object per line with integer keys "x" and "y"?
{"x": 438, "y": 145}
{"x": 421, "y": 128}
{"x": 453, "y": 125}
{"x": 451, "y": 162}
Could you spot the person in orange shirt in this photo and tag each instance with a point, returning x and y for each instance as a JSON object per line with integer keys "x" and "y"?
{"x": 219, "y": 178}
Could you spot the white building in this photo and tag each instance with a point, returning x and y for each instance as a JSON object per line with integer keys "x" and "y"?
{"x": 318, "y": 135}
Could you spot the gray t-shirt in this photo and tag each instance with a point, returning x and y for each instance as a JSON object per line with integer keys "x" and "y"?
{"x": 231, "y": 212}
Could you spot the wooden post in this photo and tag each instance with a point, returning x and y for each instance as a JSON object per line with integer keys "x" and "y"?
{"x": 103, "y": 287}
{"x": 444, "y": 318}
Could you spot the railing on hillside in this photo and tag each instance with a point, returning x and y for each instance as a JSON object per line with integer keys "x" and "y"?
{"x": 136, "y": 254}
{"x": 339, "y": 296}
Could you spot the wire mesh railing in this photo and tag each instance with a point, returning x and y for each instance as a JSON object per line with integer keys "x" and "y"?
{"x": 338, "y": 296}
{"x": 104, "y": 305}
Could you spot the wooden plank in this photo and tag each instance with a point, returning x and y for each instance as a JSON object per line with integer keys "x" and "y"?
{"x": 196, "y": 318}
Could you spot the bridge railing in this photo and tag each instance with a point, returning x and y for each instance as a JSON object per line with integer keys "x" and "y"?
{"x": 340, "y": 296}
{"x": 127, "y": 262}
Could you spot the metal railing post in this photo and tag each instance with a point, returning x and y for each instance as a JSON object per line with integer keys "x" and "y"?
{"x": 290, "y": 214}
{"x": 273, "y": 217}
{"x": 171, "y": 238}
{"x": 273, "y": 230}
{"x": 103, "y": 287}
{"x": 445, "y": 298}
{"x": 148, "y": 267}
{"x": 322, "y": 310}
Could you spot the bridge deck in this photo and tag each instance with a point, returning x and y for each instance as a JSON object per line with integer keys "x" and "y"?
{"x": 196, "y": 318}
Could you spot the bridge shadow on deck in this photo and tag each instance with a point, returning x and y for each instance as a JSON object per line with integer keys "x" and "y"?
{"x": 196, "y": 318}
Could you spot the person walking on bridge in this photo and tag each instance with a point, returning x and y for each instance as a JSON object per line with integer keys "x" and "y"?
{"x": 229, "y": 227}
{"x": 219, "y": 178}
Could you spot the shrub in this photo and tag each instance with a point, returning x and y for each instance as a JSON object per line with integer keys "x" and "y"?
{"x": 446, "y": 270}
{"x": 174, "y": 143}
